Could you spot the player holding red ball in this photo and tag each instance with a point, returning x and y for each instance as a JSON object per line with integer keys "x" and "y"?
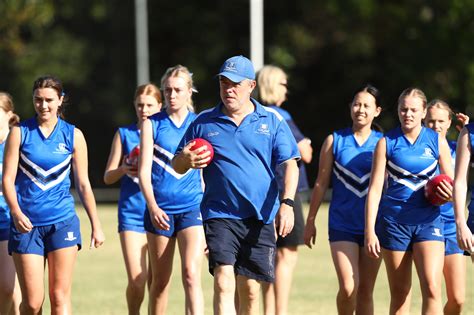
{"x": 438, "y": 118}
{"x": 409, "y": 229}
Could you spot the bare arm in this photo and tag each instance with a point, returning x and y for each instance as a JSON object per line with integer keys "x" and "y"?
{"x": 10, "y": 167}
{"x": 373, "y": 198}
{"x": 187, "y": 159}
{"x": 463, "y": 156}
{"x": 285, "y": 218}
{"x": 306, "y": 151}
{"x": 116, "y": 166}
{"x": 84, "y": 189}
{"x": 326, "y": 159}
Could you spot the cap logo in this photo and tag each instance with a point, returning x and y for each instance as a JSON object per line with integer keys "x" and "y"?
{"x": 230, "y": 66}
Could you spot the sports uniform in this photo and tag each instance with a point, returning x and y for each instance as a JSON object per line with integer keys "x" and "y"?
{"x": 241, "y": 191}
{"x": 43, "y": 190}
{"x": 296, "y": 236}
{"x": 470, "y": 218}
{"x": 350, "y": 180}
{"x": 406, "y": 217}
{"x": 4, "y": 211}
{"x": 179, "y": 195}
{"x": 131, "y": 205}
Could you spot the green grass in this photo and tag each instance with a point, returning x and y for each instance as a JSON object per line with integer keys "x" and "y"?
{"x": 100, "y": 277}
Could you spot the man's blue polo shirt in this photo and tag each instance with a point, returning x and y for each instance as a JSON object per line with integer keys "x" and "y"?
{"x": 240, "y": 181}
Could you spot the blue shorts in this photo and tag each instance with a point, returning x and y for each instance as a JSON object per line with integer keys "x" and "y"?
{"x": 177, "y": 222}
{"x": 470, "y": 221}
{"x": 4, "y": 234}
{"x": 340, "y": 236}
{"x": 247, "y": 244}
{"x": 400, "y": 237}
{"x": 122, "y": 227}
{"x": 451, "y": 246}
{"x": 44, "y": 239}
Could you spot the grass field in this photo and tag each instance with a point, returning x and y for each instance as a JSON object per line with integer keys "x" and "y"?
{"x": 100, "y": 278}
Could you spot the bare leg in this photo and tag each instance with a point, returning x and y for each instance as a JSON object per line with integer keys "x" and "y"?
{"x": 454, "y": 271}
{"x": 429, "y": 259}
{"x": 224, "y": 290}
{"x": 191, "y": 247}
{"x": 60, "y": 270}
{"x": 134, "y": 250}
{"x": 30, "y": 270}
{"x": 249, "y": 292}
{"x": 368, "y": 270}
{"x": 398, "y": 265}
{"x": 161, "y": 250}
{"x": 10, "y": 296}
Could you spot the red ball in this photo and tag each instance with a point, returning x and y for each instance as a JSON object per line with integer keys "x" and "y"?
{"x": 199, "y": 142}
{"x": 132, "y": 157}
{"x": 431, "y": 188}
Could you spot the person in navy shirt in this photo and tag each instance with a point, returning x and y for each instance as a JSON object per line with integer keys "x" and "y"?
{"x": 10, "y": 296}
{"x": 272, "y": 88}
{"x": 173, "y": 200}
{"x": 438, "y": 118}
{"x": 346, "y": 160}
{"x": 241, "y": 200}
{"x": 131, "y": 205}
{"x": 403, "y": 225}
{"x": 39, "y": 155}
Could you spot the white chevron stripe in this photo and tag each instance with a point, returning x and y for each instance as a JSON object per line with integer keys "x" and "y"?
{"x": 352, "y": 175}
{"x": 423, "y": 172}
{"x": 134, "y": 179}
{"x": 41, "y": 170}
{"x": 167, "y": 167}
{"x": 48, "y": 185}
{"x": 407, "y": 183}
{"x": 358, "y": 193}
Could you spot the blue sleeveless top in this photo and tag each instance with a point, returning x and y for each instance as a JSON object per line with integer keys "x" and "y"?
{"x": 4, "y": 210}
{"x": 42, "y": 181}
{"x": 174, "y": 193}
{"x": 409, "y": 167}
{"x": 350, "y": 180}
{"x": 447, "y": 210}
{"x": 131, "y": 205}
{"x": 470, "y": 128}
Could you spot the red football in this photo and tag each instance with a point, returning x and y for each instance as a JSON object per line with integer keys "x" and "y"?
{"x": 431, "y": 188}
{"x": 132, "y": 157}
{"x": 199, "y": 142}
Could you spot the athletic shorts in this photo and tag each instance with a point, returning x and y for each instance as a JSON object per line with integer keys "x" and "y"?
{"x": 340, "y": 236}
{"x": 44, "y": 239}
{"x": 470, "y": 221}
{"x": 122, "y": 227}
{"x": 296, "y": 237}
{"x": 4, "y": 233}
{"x": 401, "y": 237}
{"x": 177, "y": 222}
{"x": 451, "y": 246}
{"x": 247, "y": 244}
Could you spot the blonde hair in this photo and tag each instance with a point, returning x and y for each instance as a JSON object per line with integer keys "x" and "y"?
{"x": 269, "y": 88}
{"x": 6, "y": 103}
{"x": 182, "y": 72}
{"x": 415, "y": 92}
{"x": 149, "y": 89}
{"x": 437, "y": 103}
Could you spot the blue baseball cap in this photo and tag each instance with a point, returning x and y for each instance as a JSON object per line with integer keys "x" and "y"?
{"x": 237, "y": 69}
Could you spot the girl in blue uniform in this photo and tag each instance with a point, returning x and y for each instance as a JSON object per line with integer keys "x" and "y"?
{"x": 131, "y": 206}
{"x": 346, "y": 156}
{"x": 173, "y": 200}
{"x": 409, "y": 229}
{"x": 464, "y": 229}
{"x": 10, "y": 297}
{"x": 438, "y": 118}
{"x": 38, "y": 158}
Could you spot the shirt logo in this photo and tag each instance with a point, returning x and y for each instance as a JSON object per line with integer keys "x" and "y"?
{"x": 263, "y": 129}
{"x": 213, "y": 134}
{"x": 199, "y": 217}
{"x": 428, "y": 154}
{"x": 70, "y": 236}
{"x": 230, "y": 66}
{"x": 61, "y": 149}
{"x": 437, "y": 232}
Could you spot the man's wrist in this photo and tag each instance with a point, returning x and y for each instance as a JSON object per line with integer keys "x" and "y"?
{"x": 288, "y": 201}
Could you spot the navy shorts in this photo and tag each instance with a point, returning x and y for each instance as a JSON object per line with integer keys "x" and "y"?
{"x": 296, "y": 236}
{"x": 451, "y": 246}
{"x": 44, "y": 239}
{"x": 177, "y": 222}
{"x": 401, "y": 237}
{"x": 340, "y": 236}
{"x": 247, "y": 244}
{"x": 4, "y": 234}
{"x": 122, "y": 227}
{"x": 470, "y": 221}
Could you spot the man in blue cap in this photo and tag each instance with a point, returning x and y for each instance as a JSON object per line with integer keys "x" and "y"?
{"x": 241, "y": 205}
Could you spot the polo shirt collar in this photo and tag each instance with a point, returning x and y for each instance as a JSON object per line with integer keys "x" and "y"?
{"x": 259, "y": 110}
